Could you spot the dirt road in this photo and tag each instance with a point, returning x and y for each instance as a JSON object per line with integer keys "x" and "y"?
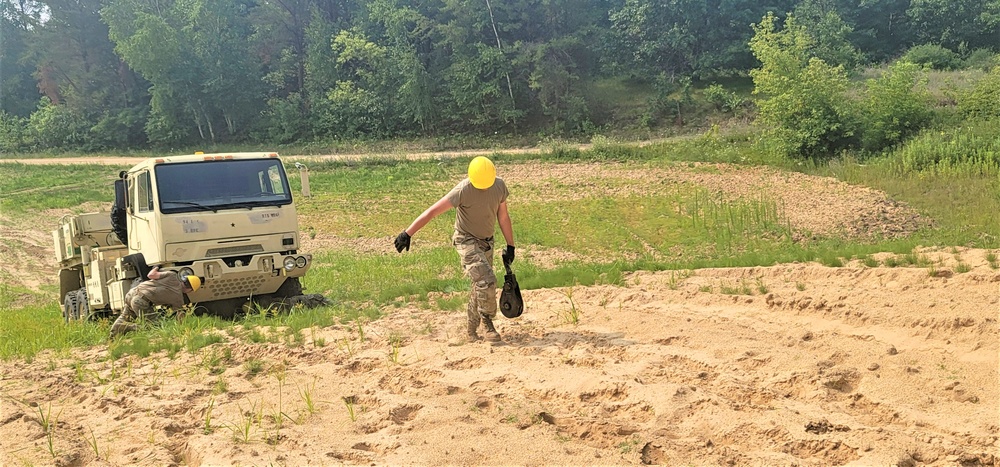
{"x": 125, "y": 161}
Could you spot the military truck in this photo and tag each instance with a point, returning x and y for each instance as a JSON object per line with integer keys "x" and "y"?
{"x": 227, "y": 218}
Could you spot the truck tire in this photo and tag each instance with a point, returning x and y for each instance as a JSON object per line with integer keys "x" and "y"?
{"x": 292, "y": 287}
{"x": 71, "y": 306}
{"x": 75, "y": 306}
{"x": 138, "y": 262}
{"x": 227, "y": 308}
{"x": 83, "y": 305}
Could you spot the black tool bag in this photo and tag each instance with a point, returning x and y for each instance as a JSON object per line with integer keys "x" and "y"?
{"x": 511, "y": 303}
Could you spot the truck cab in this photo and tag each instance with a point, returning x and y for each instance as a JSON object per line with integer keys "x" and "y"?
{"x": 228, "y": 218}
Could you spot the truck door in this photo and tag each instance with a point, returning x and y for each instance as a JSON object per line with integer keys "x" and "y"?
{"x": 141, "y": 194}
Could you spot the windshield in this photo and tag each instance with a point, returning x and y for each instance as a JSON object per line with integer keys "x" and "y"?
{"x": 215, "y": 185}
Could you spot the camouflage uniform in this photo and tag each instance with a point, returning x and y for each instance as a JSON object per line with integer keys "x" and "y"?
{"x": 475, "y": 222}
{"x": 477, "y": 262}
{"x": 140, "y": 301}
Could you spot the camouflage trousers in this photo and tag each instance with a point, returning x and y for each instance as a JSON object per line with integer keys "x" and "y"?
{"x": 477, "y": 261}
{"x": 136, "y": 307}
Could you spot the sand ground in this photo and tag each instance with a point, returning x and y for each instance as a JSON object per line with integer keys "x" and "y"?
{"x": 795, "y": 364}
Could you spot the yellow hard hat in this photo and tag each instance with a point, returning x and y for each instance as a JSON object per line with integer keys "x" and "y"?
{"x": 482, "y": 173}
{"x": 194, "y": 282}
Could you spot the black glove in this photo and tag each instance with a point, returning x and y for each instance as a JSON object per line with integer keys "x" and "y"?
{"x": 508, "y": 254}
{"x": 403, "y": 241}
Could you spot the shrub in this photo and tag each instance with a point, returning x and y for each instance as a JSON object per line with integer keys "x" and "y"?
{"x": 14, "y": 134}
{"x": 725, "y": 101}
{"x": 983, "y": 100}
{"x": 284, "y": 121}
{"x": 982, "y": 59}
{"x": 973, "y": 149}
{"x": 118, "y": 129}
{"x": 896, "y": 105}
{"x": 55, "y": 126}
{"x": 934, "y": 56}
{"x": 804, "y": 99}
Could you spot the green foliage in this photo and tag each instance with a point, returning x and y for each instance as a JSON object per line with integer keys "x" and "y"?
{"x": 14, "y": 134}
{"x": 894, "y": 106}
{"x": 830, "y": 33}
{"x": 284, "y": 120}
{"x": 61, "y": 126}
{"x": 478, "y": 91}
{"x": 91, "y": 95}
{"x": 972, "y": 149}
{"x": 683, "y": 38}
{"x": 54, "y": 126}
{"x": 35, "y": 324}
{"x": 118, "y": 129}
{"x": 982, "y": 59}
{"x": 362, "y": 277}
{"x": 803, "y": 100}
{"x": 184, "y": 73}
{"x": 983, "y": 100}
{"x": 18, "y": 29}
{"x": 957, "y": 193}
{"x": 555, "y": 81}
{"x": 671, "y": 100}
{"x": 722, "y": 99}
{"x": 194, "y": 54}
{"x": 353, "y": 110}
{"x": 954, "y": 24}
{"x": 933, "y": 56}
{"x": 199, "y": 340}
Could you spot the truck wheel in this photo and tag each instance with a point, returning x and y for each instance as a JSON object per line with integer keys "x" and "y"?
{"x": 226, "y": 309}
{"x": 83, "y": 305}
{"x": 71, "y": 306}
{"x": 290, "y": 288}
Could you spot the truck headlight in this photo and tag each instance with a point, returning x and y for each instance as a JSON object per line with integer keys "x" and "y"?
{"x": 301, "y": 261}
{"x": 289, "y": 263}
{"x": 184, "y": 272}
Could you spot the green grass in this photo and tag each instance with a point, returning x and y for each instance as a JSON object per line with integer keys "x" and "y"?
{"x": 34, "y": 324}
{"x": 953, "y": 177}
{"x": 601, "y": 236}
{"x": 28, "y": 188}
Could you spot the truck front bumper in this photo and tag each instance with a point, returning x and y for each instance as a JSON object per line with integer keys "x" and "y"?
{"x": 261, "y": 274}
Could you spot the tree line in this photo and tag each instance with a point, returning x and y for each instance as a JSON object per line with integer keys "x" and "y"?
{"x": 112, "y": 74}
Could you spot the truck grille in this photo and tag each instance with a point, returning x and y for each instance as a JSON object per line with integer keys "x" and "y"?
{"x": 234, "y": 250}
{"x": 238, "y": 287}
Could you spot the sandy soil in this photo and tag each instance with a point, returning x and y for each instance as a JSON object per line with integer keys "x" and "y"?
{"x": 789, "y": 365}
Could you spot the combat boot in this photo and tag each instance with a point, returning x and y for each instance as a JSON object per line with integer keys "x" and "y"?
{"x": 473, "y": 326}
{"x": 491, "y": 332}
{"x": 121, "y": 328}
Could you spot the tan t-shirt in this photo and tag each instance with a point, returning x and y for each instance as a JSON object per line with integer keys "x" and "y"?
{"x": 477, "y": 209}
{"x": 167, "y": 290}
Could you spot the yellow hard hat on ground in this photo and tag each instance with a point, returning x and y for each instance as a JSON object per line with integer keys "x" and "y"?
{"x": 482, "y": 173}
{"x": 194, "y": 282}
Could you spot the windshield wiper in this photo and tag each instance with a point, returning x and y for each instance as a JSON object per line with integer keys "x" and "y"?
{"x": 247, "y": 204}
{"x": 196, "y": 205}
